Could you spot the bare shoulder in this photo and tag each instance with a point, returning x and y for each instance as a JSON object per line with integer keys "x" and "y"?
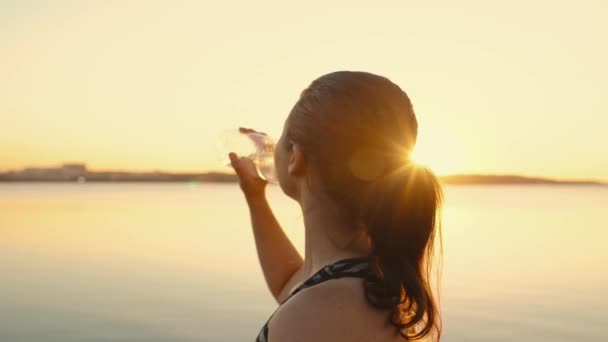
{"x": 334, "y": 310}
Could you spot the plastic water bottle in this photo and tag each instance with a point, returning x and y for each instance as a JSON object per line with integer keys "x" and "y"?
{"x": 258, "y": 147}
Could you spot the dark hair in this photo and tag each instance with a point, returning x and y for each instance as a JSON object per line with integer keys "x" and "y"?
{"x": 359, "y": 129}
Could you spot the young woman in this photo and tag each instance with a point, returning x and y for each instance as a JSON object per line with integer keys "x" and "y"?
{"x": 370, "y": 217}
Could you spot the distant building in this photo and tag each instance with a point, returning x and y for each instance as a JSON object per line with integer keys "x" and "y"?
{"x": 74, "y": 170}
{"x": 66, "y": 172}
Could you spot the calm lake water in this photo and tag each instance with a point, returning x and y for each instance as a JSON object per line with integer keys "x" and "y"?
{"x": 177, "y": 262}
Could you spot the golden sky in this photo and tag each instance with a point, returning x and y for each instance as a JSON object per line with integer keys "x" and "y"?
{"x": 499, "y": 86}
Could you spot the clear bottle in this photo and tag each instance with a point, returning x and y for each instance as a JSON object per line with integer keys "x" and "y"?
{"x": 258, "y": 147}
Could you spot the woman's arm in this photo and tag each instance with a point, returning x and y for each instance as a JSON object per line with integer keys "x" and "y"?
{"x": 278, "y": 257}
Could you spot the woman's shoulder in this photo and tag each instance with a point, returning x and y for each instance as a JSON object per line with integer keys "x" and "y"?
{"x": 334, "y": 310}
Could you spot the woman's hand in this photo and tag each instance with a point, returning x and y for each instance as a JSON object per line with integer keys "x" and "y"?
{"x": 253, "y": 186}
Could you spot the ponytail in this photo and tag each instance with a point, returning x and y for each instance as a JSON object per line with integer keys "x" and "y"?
{"x": 402, "y": 219}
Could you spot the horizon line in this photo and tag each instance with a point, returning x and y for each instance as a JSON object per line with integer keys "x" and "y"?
{"x": 231, "y": 172}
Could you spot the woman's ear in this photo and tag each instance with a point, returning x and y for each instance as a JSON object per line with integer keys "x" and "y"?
{"x": 297, "y": 162}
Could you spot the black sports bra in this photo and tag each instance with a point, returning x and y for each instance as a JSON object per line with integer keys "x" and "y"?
{"x": 352, "y": 267}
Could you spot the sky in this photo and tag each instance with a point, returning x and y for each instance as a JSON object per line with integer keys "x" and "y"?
{"x": 501, "y": 87}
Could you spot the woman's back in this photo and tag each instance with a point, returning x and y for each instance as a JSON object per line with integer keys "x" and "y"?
{"x": 330, "y": 306}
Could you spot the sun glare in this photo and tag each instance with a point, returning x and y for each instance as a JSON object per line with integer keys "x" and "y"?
{"x": 441, "y": 161}
{"x": 417, "y": 158}
{"x": 430, "y": 159}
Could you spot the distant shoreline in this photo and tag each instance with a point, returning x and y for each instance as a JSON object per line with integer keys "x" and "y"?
{"x": 472, "y": 179}
{"x": 143, "y": 182}
{"x": 78, "y": 173}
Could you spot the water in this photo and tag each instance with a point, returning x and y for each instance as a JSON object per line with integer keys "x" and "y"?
{"x": 177, "y": 262}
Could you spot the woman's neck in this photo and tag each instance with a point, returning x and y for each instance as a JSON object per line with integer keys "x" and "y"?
{"x": 328, "y": 235}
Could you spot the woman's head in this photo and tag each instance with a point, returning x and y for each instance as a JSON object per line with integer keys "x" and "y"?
{"x": 350, "y": 136}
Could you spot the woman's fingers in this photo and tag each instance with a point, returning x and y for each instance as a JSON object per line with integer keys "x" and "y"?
{"x": 235, "y": 162}
{"x": 243, "y": 166}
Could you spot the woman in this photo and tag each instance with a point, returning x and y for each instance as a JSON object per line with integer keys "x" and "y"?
{"x": 369, "y": 217}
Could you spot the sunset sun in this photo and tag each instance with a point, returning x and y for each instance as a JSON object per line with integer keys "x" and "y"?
{"x": 434, "y": 151}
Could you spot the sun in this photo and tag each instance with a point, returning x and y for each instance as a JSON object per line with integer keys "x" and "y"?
{"x": 439, "y": 155}
{"x": 427, "y": 158}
